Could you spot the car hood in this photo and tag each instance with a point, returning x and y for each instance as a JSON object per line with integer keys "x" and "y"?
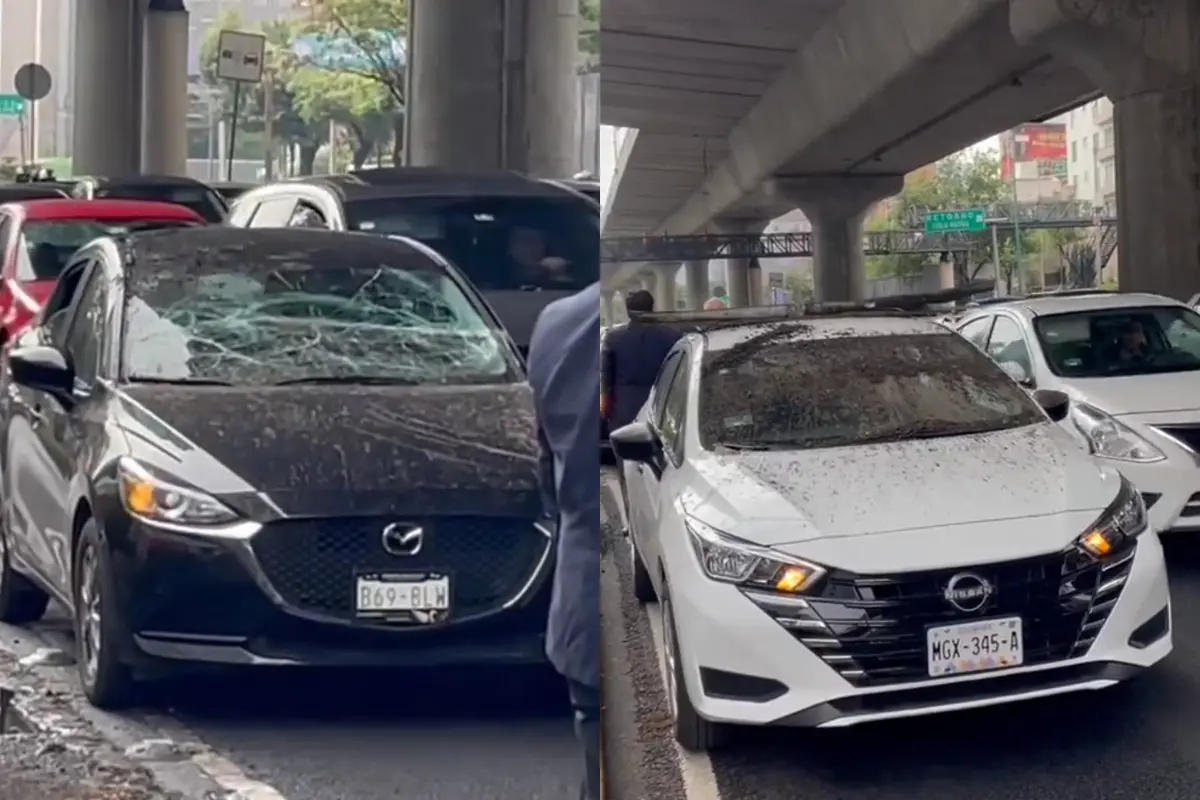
{"x": 1139, "y": 394}
{"x": 344, "y": 450}
{"x": 909, "y": 505}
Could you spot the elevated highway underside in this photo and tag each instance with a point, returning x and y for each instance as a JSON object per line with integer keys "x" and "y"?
{"x": 727, "y": 98}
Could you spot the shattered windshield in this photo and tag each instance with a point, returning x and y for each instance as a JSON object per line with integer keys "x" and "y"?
{"x": 501, "y": 243}
{"x": 792, "y": 391}
{"x": 246, "y": 316}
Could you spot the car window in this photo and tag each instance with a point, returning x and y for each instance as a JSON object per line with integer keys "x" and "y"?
{"x": 253, "y": 317}
{"x": 799, "y": 392}
{"x": 674, "y": 409}
{"x": 658, "y": 392}
{"x": 199, "y": 198}
{"x": 242, "y": 212}
{"x": 306, "y": 215}
{"x": 84, "y": 337}
{"x": 274, "y": 213}
{"x": 1007, "y": 344}
{"x": 501, "y": 243}
{"x": 55, "y": 314}
{"x": 976, "y": 331}
{"x": 1120, "y": 341}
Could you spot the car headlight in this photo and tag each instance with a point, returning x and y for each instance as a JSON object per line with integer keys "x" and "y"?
{"x": 730, "y": 560}
{"x": 157, "y": 500}
{"x": 1112, "y": 439}
{"x": 1121, "y": 522}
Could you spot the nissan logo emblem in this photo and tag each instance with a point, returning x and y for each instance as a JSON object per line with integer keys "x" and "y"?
{"x": 401, "y": 539}
{"x": 968, "y": 592}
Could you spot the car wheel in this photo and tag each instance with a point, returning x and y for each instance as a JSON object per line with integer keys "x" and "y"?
{"x": 107, "y": 681}
{"x": 693, "y": 732}
{"x": 20, "y": 600}
{"x": 643, "y": 587}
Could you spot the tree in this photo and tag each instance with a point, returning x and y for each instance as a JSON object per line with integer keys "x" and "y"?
{"x": 1081, "y": 254}
{"x": 589, "y": 35}
{"x": 359, "y": 81}
{"x": 967, "y": 179}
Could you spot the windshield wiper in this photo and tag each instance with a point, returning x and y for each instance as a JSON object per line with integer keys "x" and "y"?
{"x": 741, "y": 446}
{"x": 179, "y": 381}
{"x": 917, "y": 433}
{"x": 348, "y": 380}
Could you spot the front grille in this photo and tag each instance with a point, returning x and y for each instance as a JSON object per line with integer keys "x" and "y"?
{"x": 311, "y": 563}
{"x": 872, "y": 629}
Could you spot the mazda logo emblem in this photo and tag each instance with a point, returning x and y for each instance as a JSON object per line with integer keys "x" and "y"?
{"x": 402, "y": 539}
{"x": 968, "y": 592}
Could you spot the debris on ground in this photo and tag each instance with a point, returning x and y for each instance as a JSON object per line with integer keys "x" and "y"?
{"x": 37, "y": 766}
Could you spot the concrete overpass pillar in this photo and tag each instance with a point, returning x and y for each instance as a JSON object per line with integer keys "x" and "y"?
{"x": 1146, "y": 58}
{"x": 835, "y": 207}
{"x": 741, "y": 273}
{"x": 606, "y": 307}
{"x": 165, "y": 89}
{"x": 493, "y": 85}
{"x": 696, "y": 273}
{"x": 664, "y": 286}
{"x": 107, "y": 131}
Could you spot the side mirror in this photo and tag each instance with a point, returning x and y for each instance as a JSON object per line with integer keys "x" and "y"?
{"x": 636, "y": 442}
{"x": 1056, "y": 404}
{"x": 42, "y": 368}
{"x": 1018, "y": 373}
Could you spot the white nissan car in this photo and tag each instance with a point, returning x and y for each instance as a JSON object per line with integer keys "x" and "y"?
{"x": 1131, "y": 366}
{"x": 851, "y": 519}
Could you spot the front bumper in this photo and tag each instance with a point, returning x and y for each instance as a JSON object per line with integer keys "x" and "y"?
{"x": 187, "y": 598}
{"x": 1171, "y": 489}
{"x": 742, "y": 666}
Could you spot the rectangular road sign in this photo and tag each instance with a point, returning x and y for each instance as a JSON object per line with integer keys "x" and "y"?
{"x": 970, "y": 220}
{"x": 240, "y": 56}
{"x": 12, "y": 105}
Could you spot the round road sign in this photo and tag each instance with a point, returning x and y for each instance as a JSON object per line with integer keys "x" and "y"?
{"x": 32, "y": 81}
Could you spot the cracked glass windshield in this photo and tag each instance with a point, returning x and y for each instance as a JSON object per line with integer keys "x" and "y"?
{"x": 368, "y": 311}
{"x": 502, "y": 244}
{"x": 788, "y": 391}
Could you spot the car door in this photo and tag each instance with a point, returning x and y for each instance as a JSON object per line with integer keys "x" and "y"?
{"x": 32, "y": 492}
{"x": 274, "y": 212}
{"x": 977, "y": 330}
{"x": 62, "y": 435}
{"x": 667, "y": 485}
{"x": 642, "y": 479}
{"x": 1008, "y": 347}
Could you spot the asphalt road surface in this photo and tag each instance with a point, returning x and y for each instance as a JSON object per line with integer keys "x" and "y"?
{"x": 365, "y": 735}
{"x": 1134, "y": 741}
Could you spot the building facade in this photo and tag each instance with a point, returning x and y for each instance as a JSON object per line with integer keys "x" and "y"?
{"x": 1092, "y": 162}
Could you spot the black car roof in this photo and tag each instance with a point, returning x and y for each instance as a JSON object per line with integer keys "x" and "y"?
{"x": 254, "y": 244}
{"x": 143, "y": 180}
{"x": 369, "y": 184}
{"x": 13, "y": 193}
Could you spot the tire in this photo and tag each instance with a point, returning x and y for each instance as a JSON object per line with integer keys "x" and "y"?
{"x": 21, "y": 601}
{"x": 643, "y": 587}
{"x": 109, "y": 683}
{"x": 693, "y": 732}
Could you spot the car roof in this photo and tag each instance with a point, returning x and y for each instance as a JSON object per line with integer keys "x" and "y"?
{"x": 385, "y": 182}
{"x": 1065, "y": 304}
{"x": 14, "y": 192}
{"x": 258, "y": 244}
{"x": 818, "y": 328}
{"x": 142, "y": 180}
{"x": 69, "y": 209}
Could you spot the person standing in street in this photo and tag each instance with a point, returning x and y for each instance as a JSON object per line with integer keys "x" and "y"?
{"x": 629, "y": 364}
{"x": 564, "y": 372}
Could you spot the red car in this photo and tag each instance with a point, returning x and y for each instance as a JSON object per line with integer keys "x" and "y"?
{"x": 38, "y": 237}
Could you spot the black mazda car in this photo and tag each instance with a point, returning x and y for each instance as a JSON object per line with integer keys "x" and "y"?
{"x": 271, "y": 447}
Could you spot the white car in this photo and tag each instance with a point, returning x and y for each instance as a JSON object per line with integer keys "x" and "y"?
{"x": 1131, "y": 365}
{"x": 851, "y": 519}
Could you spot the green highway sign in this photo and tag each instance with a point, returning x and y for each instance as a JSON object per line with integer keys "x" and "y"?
{"x": 12, "y": 105}
{"x": 970, "y": 220}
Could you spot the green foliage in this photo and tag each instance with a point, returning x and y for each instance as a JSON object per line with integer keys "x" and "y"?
{"x": 589, "y": 34}
{"x": 968, "y": 179}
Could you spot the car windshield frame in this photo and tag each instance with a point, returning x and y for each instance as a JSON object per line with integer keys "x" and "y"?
{"x": 423, "y": 355}
{"x": 570, "y": 228}
{"x": 839, "y": 371}
{"x": 1056, "y": 363}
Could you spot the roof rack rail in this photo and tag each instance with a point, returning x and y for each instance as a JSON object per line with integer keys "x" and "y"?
{"x": 891, "y": 305}
{"x": 1072, "y": 292}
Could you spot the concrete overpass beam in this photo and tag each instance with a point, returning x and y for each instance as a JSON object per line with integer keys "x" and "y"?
{"x": 835, "y": 207}
{"x": 107, "y": 131}
{"x": 165, "y": 89}
{"x": 696, "y": 273}
{"x": 494, "y": 87}
{"x": 743, "y": 276}
{"x": 1146, "y": 58}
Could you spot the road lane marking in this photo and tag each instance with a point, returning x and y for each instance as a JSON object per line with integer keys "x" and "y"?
{"x": 699, "y": 779}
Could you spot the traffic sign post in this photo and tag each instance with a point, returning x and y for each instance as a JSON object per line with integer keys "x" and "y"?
{"x": 971, "y": 220}
{"x": 33, "y": 83}
{"x": 240, "y": 57}
{"x": 12, "y": 105}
